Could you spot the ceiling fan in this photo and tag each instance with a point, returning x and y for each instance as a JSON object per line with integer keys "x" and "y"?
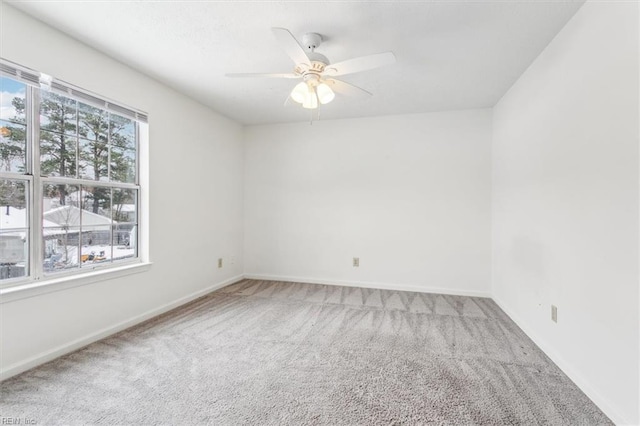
{"x": 318, "y": 84}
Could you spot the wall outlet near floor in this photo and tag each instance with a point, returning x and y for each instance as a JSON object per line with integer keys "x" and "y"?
{"x": 554, "y": 313}
{"x": 356, "y": 262}
{"x": 220, "y": 263}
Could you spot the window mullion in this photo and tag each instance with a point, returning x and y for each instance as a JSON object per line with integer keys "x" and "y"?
{"x": 109, "y": 147}
{"x": 35, "y": 195}
{"x": 87, "y": 182}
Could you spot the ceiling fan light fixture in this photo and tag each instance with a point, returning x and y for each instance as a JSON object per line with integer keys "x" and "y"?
{"x": 325, "y": 94}
{"x": 300, "y": 93}
{"x": 312, "y": 100}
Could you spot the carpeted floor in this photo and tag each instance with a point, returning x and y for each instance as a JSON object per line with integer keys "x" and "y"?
{"x": 261, "y": 352}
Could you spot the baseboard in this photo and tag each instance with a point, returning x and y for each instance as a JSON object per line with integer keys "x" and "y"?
{"x": 567, "y": 369}
{"x": 44, "y": 357}
{"x": 369, "y": 284}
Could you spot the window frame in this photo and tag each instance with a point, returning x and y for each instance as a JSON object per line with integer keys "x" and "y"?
{"x": 34, "y": 182}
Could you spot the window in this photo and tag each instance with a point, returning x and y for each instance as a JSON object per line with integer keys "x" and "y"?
{"x": 69, "y": 178}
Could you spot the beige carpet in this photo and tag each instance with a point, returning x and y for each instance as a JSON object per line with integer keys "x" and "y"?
{"x": 262, "y": 352}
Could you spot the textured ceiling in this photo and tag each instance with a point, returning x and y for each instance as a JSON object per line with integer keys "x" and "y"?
{"x": 450, "y": 54}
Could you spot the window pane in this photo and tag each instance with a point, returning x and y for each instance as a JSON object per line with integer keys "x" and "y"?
{"x": 122, "y": 132}
{"x": 94, "y": 143}
{"x": 96, "y": 206}
{"x": 124, "y": 208}
{"x": 13, "y": 197}
{"x": 57, "y": 154}
{"x": 96, "y": 225}
{"x": 59, "y": 195}
{"x": 12, "y": 126}
{"x": 61, "y": 227}
{"x": 125, "y": 214}
{"x": 96, "y": 245}
{"x": 58, "y": 114}
{"x": 94, "y": 160}
{"x": 125, "y": 237}
{"x": 60, "y": 206}
{"x": 93, "y": 123}
{"x": 123, "y": 149}
{"x": 12, "y": 100}
{"x": 14, "y": 229}
{"x": 14, "y": 253}
{"x": 13, "y": 143}
{"x": 123, "y": 165}
{"x": 60, "y": 248}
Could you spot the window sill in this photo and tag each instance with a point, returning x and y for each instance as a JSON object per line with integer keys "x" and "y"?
{"x": 38, "y": 288}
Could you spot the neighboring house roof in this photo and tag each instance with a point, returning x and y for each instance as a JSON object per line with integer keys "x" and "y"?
{"x": 69, "y": 216}
{"x": 17, "y": 218}
{"x": 53, "y": 221}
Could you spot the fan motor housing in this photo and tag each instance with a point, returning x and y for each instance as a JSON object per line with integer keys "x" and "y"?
{"x": 313, "y": 70}
{"x": 317, "y": 58}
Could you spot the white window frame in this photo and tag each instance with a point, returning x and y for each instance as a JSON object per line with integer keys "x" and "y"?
{"x": 36, "y": 280}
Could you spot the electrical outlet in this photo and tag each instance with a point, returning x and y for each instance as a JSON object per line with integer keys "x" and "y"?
{"x": 554, "y": 313}
{"x": 220, "y": 263}
{"x": 356, "y": 262}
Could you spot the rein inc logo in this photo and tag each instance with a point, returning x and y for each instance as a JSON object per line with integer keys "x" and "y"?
{"x": 17, "y": 421}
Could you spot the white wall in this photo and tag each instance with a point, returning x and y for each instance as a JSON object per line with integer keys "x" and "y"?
{"x": 195, "y": 201}
{"x": 565, "y": 203}
{"x": 409, "y": 195}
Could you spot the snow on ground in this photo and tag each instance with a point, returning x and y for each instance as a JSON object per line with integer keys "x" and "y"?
{"x": 93, "y": 254}
{"x": 105, "y": 251}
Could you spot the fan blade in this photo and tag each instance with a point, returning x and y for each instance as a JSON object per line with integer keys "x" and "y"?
{"x": 291, "y": 46}
{"x": 362, "y": 63}
{"x": 264, "y": 75}
{"x": 347, "y": 89}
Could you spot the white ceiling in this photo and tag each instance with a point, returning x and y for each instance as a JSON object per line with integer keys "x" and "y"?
{"x": 450, "y": 54}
